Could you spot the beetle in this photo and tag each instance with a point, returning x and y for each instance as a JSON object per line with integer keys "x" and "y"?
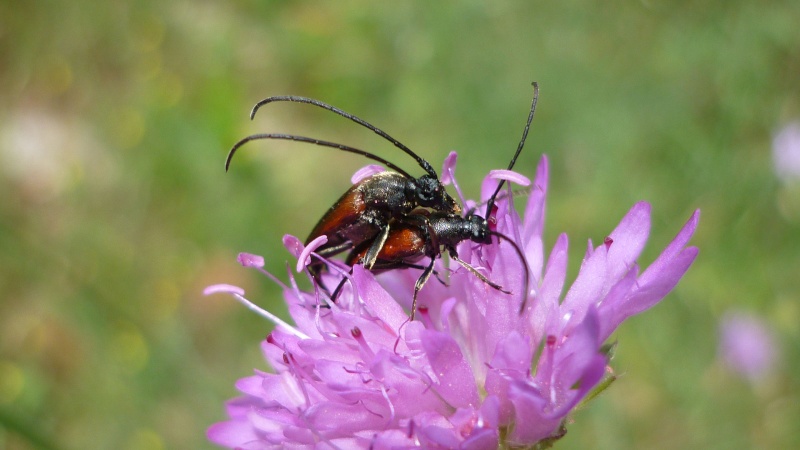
{"x": 423, "y": 233}
{"x": 364, "y": 212}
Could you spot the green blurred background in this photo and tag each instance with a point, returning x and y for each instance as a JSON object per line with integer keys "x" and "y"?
{"x": 115, "y": 120}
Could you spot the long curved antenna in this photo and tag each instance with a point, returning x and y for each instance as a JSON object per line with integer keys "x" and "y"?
{"x": 292, "y": 137}
{"x": 524, "y": 263}
{"x": 490, "y": 203}
{"x": 293, "y": 98}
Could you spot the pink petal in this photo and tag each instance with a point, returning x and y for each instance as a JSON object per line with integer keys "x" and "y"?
{"x": 377, "y": 300}
{"x": 293, "y": 245}
{"x": 438, "y": 437}
{"x": 455, "y": 383}
{"x": 665, "y": 272}
{"x": 365, "y": 172}
{"x": 673, "y": 249}
{"x": 223, "y": 289}
{"x": 512, "y": 360}
{"x": 510, "y": 176}
{"x": 530, "y": 424}
{"x": 579, "y": 362}
{"x": 303, "y": 258}
{"x": 449, "y": 168}
{"x": 588, "y": 286}
{"x": 659, "y": 283}
{"x": 250, "y": 260}
{"x": 232, "y": 433}
{"x": 483, "y": 439}
{"x": 533, "y": 225}
{"x": 544, "y": 312}
{"x": 628, "y": 239}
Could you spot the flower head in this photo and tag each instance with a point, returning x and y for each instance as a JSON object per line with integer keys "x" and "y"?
{"x": 747, "y": 345}
{"x": 472, "y": 371}
{"x": 786, "y": 152}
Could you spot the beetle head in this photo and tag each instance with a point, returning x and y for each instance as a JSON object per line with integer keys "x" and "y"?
{"x": 430, "y": 193}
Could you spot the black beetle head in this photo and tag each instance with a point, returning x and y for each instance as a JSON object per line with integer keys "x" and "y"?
{"x": 480, "y": 229}
{"x": 430, "y": 193}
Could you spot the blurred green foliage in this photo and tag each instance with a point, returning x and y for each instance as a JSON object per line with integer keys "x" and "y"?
{"x": 115, "y": 120}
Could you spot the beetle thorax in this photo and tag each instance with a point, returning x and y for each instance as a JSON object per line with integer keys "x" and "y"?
{"x": 385, "y": 194}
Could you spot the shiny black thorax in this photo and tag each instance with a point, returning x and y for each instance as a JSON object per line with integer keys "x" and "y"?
{"x": 452, "y": 229}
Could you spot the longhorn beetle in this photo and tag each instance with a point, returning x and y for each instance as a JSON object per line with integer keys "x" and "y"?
{"x": 423, "y": 234}
{"x": 364, "y": 212}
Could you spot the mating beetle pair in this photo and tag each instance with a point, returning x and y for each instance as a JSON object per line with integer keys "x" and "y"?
{"x": 391, "y": 220}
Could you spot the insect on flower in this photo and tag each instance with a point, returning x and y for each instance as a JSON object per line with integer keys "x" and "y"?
{"x": 424, "y": 234}
{"x": 471, "y": 373}
{"x": 364, "y": 213}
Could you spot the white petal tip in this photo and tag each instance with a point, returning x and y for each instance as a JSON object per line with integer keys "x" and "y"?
{"x": 223, "y": 289}
{"x": 510, "y": 176}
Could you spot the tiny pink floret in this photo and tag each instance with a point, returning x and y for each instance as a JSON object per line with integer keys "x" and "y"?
{"x": 250, "y": 260}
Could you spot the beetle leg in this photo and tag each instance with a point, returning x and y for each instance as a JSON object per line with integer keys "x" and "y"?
{"x": 317, "y": 265}
{"x": 466, "y": 265}
{"x": 375, "y": 248}
{"x": 421, "y": 282}
{"x": 339, "y": 288}
{"x": 335, "y": 249}
{"x": 400, "y": 265}
{"x": 404, "y": 265}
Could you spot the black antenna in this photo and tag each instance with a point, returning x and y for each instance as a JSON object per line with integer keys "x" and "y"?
{"x": 293, "y": 98}
{"x": 490, "y": 203}
{"x": 292, "y": 137}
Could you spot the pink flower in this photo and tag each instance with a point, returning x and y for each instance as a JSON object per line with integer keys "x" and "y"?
{"x": 747, "y": 345}
{"x": 786, "y": 152}
{"x": 471, "y": 372}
